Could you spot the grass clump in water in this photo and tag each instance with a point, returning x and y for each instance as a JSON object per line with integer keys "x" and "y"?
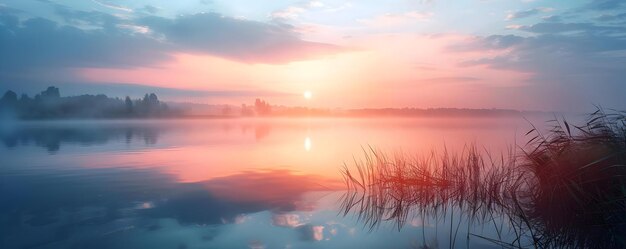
{"x": 565, "y": 189}
{"x": 579, "y": 182}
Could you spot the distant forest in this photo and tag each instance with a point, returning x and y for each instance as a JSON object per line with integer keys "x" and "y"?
{"x": 50, "y": 105}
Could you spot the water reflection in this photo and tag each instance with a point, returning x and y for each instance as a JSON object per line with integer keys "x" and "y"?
{"x": 138, "y": 199}
{"x": 52, "y": 136}
{"x": 222, "y": 200}
{"x": 196, "y": 150}
{"x": 199, "y": 183}
{"x": 307, "y": 144}
{"x": 261, "y": 131}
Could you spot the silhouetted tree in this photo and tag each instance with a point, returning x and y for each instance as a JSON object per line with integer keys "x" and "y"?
{"x": 261, "y": 107}
{"x": 129, "y": 105}
{"x": 154, "y": 100}
{"x": 9, "y": 97}
{"x": 51, "y": 93}
{"x": 8, "y": 104}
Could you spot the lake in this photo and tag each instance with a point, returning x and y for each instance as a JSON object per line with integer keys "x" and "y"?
{"x": 216, "y": 183}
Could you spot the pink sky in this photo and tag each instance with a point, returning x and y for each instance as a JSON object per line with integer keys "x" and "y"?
{"x": 531, "y": 55}
{"x": 372, "y": 71}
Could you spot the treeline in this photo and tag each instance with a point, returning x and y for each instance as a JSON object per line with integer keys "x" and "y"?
{"x": 50, "y": 105}
{"x": 260, "y": 108}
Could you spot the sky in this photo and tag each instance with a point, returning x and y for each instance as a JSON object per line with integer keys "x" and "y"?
{"x": 522, "y": 54}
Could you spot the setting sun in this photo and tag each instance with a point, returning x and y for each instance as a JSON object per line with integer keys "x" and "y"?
{"x": 308, "y": 94}
{"x": 140, "y": 124}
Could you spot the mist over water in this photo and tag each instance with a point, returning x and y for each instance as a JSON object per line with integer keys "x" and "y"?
{"x": 312, "y": 124}
{"x": 210, "y": 183}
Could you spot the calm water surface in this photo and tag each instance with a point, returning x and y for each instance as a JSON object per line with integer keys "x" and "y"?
{"x": 239, "y": 183}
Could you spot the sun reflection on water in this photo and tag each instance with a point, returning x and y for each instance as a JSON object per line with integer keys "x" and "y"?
{"x": 307, "y": 144}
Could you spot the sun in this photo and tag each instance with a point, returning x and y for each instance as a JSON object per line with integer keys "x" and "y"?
{"x": 308, "y": 94}
{"x": 307, "y": 143}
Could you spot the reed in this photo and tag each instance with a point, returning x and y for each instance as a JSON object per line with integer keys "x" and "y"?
{"x": 579, "y": 182}
{"x": 565, "y": 188}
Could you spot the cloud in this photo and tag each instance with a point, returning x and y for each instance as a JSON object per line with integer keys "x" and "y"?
{"x": 492, "y": 42}
{"x": 241, "y": 40}
{"x": 92, "y": 19}
{"x": 553, "y": 28}
{"x": 316, "y": 4}
{"x": 112, "y": 6}
{"x": 150, "y": 9}
{"x": 49, "y": 50}
{"x": 609, "y": 17}
{"x": 514, "y": 26}
{"x": 582, "y": 60}
{"x": 290, "y": 12}
{"x": 591, "y": 45}
{"x": 552, "y": 18}
{"x": 294, "y": 11}
{"x": 526, "y": 13}
{"x": 67, "y": 46}
{"x": 450, "y": 79}
{"x": 605, "y": 4}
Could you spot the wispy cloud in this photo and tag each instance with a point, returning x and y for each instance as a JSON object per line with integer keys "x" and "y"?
{"x": 150, "y": 9}
{"x": 294, "y": 11}
{"x": 552, "y": 18}
{"x": 135, "y": 28}
{"x": 527, "y": 13}
{"x": 241, "y": 40}
{"x": 291, "y": 12}
{"x": 605, "y": 4}
{"x": 585, "y": 58}
{"x": 610, "y": 17}
{"x": 112, "y": 42}
{"x": 555, "y": 28}
{"x": 112, "y": 6}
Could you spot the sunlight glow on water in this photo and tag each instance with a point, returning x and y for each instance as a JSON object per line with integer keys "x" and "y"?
{"x": 206, "y": 183}
{"x": 307, "y": 143}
